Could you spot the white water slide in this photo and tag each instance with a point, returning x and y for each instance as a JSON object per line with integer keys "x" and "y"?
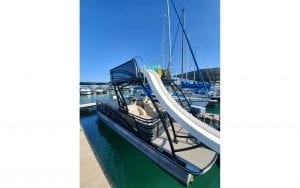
{"x": 200, "y": 130}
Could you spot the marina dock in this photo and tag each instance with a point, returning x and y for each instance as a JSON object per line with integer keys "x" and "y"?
{"x": 91, "y": 173}
{"x": 87, "y": 105}
{"x": 87, "y": 108}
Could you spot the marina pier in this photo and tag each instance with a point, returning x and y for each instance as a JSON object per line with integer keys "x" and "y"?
{"x": 91, "y": 174}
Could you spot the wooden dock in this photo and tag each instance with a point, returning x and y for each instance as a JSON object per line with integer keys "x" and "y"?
{"x": 87, "y": 108}
{"x": 87, "y": 105}
{"x": 91, "y": 174}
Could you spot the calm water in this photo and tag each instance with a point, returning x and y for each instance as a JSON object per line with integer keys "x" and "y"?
{"x": 214, "y": 109}
{"x": 92, "y": 98}
{"x": 128, "y": 167}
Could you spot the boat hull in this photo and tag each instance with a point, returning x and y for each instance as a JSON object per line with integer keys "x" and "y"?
{"x": 199, "y": 102}
{"x": 166, "y": 164}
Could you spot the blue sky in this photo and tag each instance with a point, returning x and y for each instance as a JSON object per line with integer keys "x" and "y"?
{"x": 114, "y": 31}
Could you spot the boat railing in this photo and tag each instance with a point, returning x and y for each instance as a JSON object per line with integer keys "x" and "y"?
{"x": 132, "y": 121}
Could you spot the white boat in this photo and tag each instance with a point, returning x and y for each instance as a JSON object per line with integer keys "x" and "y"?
{"x": 85, "y": 91}
{"x": 214, "y": 92}
{"x": 199, "y": 101}
{"x": 194, "y": 99}
{"x": 99, "y": 90}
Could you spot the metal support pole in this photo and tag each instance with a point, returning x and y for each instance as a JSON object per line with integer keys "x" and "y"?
{"x": 186, "y": 99}
{"x": 116, "y": 92}
{"x": 123, "y": 100}
{"x": 173, "y": 129}
{"x": 162, "y": 120}
{"x": 176, "y": 95}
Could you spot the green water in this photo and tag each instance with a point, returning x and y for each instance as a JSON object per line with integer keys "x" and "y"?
{"x": 128, "y": 167}
{"x": 92, "y": 98}
{"x": 214, "y": 109}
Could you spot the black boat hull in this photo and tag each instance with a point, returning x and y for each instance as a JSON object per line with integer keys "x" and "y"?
{"x": 164, "y": 162}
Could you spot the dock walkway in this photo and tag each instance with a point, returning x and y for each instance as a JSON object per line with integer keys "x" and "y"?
{"x": 87, "y": 108}
{"x": 88, "y": 105}
{"x": 91, "y": 174}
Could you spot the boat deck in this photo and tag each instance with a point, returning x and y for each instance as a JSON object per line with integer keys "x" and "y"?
{"x": 202, "y": 157}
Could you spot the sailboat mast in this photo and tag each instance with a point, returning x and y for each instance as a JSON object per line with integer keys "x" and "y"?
{"x": 189, "y": 45}
{"x": 187, "y": 61}
{"x": 195, "y": 69}
{"x": 169, "y": 36}
{"x": 182, "y": 47}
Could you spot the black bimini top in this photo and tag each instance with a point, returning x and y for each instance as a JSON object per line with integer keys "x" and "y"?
{"x": 126, "y": 72}
{"x": 129, "y": 72}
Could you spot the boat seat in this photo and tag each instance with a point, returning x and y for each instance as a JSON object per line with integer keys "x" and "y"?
{"x": 137, "y": 110}
{"x": 146, "y": 99}
{"x": 149, "y": 107}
